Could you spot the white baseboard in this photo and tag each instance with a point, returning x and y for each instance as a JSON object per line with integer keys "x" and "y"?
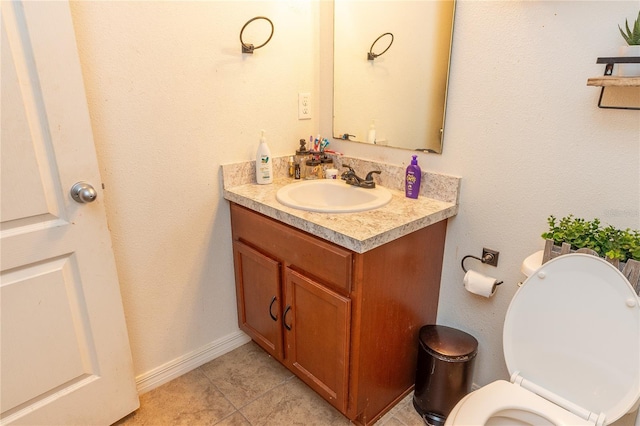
{"x": 187, "y": 362}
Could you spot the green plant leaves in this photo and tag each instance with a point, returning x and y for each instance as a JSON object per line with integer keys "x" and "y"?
{"x": 631, "y": 37}
{"x": 606, "y": 241}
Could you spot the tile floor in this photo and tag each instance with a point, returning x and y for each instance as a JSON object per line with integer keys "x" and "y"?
{"x": 246, "y": 387}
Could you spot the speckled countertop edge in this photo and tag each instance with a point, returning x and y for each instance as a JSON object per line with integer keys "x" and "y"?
{"x": 361, "y": 231}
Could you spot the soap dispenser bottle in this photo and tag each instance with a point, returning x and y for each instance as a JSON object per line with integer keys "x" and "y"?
{"x": 412, "y": 179}
{"x": 264, "y": 162}
{"x": 371, "y": 136}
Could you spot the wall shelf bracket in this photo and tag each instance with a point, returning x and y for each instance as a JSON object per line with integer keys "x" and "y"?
{"x": 627, "y": 98}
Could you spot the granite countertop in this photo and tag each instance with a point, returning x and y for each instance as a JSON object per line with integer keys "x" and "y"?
{"x": 360, "y": 231}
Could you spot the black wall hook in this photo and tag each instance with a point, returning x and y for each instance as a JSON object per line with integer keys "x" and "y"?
{"x": 249, "y": 48}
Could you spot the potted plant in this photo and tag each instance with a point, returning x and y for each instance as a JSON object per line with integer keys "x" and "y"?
{"x": 632, "y": 48}
{"x": 607, "y": 241}
{"x": 621, "y": 247}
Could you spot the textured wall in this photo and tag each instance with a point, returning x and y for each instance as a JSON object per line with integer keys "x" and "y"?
{"x": 172, "y": 97}
{"x": 525, "y": 133}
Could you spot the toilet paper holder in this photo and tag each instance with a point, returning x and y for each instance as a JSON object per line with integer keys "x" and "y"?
{"x": 489, "y": 257}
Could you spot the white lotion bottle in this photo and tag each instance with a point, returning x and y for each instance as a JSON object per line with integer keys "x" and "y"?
{"x": 264, "y": 163}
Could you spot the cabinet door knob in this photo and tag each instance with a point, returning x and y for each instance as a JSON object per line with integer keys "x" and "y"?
{"x": 273, "y": 317}
{"x": 284, "y": 318}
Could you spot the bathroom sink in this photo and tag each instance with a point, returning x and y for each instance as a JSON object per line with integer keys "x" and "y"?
{"x": 332, "y": 196}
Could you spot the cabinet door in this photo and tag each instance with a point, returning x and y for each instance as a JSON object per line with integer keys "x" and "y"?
{"x": 317, "y": 328}
{"x": 258, "y": 288}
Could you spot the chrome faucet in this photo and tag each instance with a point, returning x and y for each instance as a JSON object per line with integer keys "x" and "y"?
{"x": 351, "y": 178}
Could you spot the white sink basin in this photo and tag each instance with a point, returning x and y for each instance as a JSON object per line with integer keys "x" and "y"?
{"x": 332, "y": 196}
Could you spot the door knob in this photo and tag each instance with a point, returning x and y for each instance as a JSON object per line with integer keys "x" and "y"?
{"x": 83, "y": 192}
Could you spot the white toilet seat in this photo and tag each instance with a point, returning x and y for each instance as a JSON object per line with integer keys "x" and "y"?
{"x": 504, "y": 399}
{"x": 571, "y": 344}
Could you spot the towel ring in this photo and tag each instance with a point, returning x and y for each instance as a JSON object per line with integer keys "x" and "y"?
{"x": 249, "y": 48}
{"x": 371, "y": 56}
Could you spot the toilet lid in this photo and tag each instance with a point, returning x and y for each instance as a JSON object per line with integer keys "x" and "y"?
{"x": 573, "y": 328}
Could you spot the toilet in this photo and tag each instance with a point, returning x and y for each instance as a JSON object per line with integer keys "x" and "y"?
{"x": 571, "y": 343}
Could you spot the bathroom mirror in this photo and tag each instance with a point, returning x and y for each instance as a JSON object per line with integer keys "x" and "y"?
{"x": 401, "y": 94}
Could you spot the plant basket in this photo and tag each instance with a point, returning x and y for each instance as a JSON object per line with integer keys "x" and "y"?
{"x": 630, "y": 269}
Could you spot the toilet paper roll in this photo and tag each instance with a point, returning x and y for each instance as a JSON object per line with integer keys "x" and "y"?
{"x": 479, "y": 284}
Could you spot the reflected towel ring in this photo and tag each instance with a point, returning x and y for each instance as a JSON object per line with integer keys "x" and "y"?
{"x": 249, "y": 48}
{"x": 371, "y": 56}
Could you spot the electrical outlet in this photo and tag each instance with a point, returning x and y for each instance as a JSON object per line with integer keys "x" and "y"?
{"x": 304, "y": 106}
{"x": 491, "y": 256}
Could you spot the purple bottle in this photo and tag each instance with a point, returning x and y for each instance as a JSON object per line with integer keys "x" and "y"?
{"x": 412, "y": 179}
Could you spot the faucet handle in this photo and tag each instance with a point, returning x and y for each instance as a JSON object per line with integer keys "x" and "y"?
{"x": 346, "y": 173}
{"x": 370, "y": 175}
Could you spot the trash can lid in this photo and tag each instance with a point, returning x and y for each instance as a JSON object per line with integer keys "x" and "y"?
{"x": 449, "y": 343}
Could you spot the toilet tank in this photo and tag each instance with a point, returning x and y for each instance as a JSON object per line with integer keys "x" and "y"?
{"x": 532, "y": 263}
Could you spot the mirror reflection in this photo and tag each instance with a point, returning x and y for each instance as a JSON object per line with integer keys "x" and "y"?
{"x": 396, "y": 98}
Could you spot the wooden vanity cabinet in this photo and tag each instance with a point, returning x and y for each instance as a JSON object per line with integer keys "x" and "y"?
{"x": 346, "y": 323}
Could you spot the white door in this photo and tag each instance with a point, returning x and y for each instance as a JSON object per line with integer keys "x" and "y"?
{"x": 65, "y": 356}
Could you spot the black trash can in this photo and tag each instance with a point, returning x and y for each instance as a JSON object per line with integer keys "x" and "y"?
{"x": 445, "y": 371}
